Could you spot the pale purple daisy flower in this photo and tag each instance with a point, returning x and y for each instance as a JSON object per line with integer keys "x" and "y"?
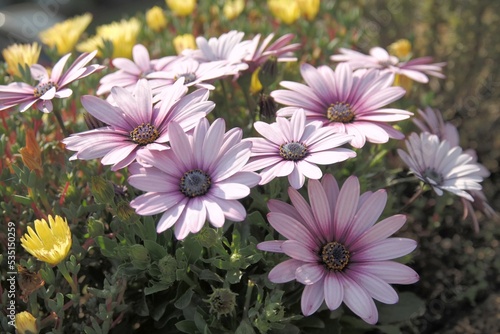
{"x": 129, "y": 72}
{"x": 135, "y": 124}
{"x": 442, "y": 166}
{"x": 194, "y": 73}
{"x": 432, "y": 122}
{"x": 281, "y": 49}
{"x": 294, "y": 147}
{"x": 337, "y": 251}
{"x": 350, "y": 102}
{"x": 228, "y": 47}
{"x": 49, "y": 86}
{"x": 200, "y": 177}
{"x": 416, "y": 69}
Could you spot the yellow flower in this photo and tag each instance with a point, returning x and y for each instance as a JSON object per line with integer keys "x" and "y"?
{"x": 49, "y": 242}
{"x": 26, "y": 323}
{"x": 183, "y": 42}
{"x": 64, "y": 35}
{"x": 122, "y": 35}
{"x": 155, "y": 19}
{"x": 20, "y": 54}
{"x": 309, "y": 8}
{"x": 233, "y": 8}
{"x": 181, "y": 7}
{"x": 31, "y": 153}
{"x": 400, "y": 49}
{"x": 255, "y": 85}
{"x": 404, "y": 82}
{"x": 285, "y": 10}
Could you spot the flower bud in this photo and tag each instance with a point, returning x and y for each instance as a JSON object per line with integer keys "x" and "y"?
{"x": 155, "y": 19}
{"x": 102, "y": 190}
{"x": 222, "y": 302}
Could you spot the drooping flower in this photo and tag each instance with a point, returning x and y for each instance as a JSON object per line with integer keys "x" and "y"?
{"x": 337, "y": 251}
{"x": 281, "y": 49}
{"x": 350, "y": 102}
{"x": 181, "y": 7}
{"x": 442, "y": 166}
{"x": 48, "y": 242}
{"x": 199, "y": 178}
{"x": 284, "y": 10}
{"x": 31, "y": 154}
{"x": 227, "y": 47}
{"x": 431, "y": 120}
{"x": 156, "y": 19}
{"x": 49, "y": 86}
{"x": 416, "y": 69}
{"x": 233, "y": 8}
{"x": 26, "y": 323}
{"x": 184, "y": 42}
{"x": 293, "y": 148}
{"x": 135, "y": 124}
{"x": 130, "y": 72}
{"x": 123, "y": 36}
{"x": 64, "y": 35}
{"x": 16, "y": 55}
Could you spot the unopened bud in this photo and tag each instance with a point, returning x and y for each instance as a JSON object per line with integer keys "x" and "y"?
{"x": 267, "y": 106}
{"x": 222, "y": 302}
{"x": 102, "y": 190}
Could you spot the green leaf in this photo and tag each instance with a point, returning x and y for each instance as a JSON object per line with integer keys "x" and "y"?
{"x": 245, "y": 328}
{"x": 184, "y": 300}
{"x": 106, "y": 245}
{"x": 186, "y": 326}
{"x": 22, "y": 199}
{"x": 156, "y": 251}
{"x": 408, "y": 305}
{"x": 157, "y": 287}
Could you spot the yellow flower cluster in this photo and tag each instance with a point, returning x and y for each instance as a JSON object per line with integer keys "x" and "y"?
{"x": 289, "y": 11}
{"x": 20, "y": 54}
{"x": 233, "y": 8}
{"x": 48, "y": 242}
{"x": 123, "y": 36}
{"x": 64, "y": 35}
{"x": 183, "y": 42}
{"x": 400, "y": 48}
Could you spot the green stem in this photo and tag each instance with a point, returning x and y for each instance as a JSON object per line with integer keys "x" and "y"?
{"x": 248, "y": 297}
{"x": 64, "y": 271}
{"x": 59, "y": 119}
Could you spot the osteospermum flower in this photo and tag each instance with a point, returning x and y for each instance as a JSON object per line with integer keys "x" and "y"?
{"x": 48, "y": 242}
{"x": 416, "y": 69}
{"x": 350, "y": 102}
{"x": 64, "y": 35}
{"x": 442, "y": 166}
{"x": 337, "y": 251}
{"x": 200, "y": 177}
{"x": 49, "y": 86}
{"x": 194, "y": 73}
{"x": 431, "y": 120}
{"x": 259, "y": 53}
{"x": 228, "y": 47}
{"x": 136, "y": 124}
{"x": 129, "y": 72}
{"x": 294, "y": 147}
{"x": 16, "y": 55}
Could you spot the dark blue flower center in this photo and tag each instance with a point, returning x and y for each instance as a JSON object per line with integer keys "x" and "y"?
{"x": 188, "y": 77}
{"x": 195, "y": 183}
{"x": 430, "y": 174}
{"x": 340, "y": 112}
{"x": 335, "y": 256}
{"x": 293, "y": 151}
{"x": 144, "y": 134}
{"x": 43, "y": 87}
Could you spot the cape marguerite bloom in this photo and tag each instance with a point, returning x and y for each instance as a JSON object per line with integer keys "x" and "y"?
{"x": 129, "y": 72}
{"x": 336, "y": 248}
{"x": 416, "y": 69}
{"x": 200, "y": 177}
{"x": 431, "y": 120}
{"x": 228, "y": 47}
{"x": 349, "y": 102}
{"x": 260, "y": 53}
{"x": 48, "y": 242}
{"x": 136, "y": 124}
{"x": 442, "y": 166}
{"x": 294, "y": 147}
{"x": 194, "y": 73}
{"x": 49, "y": 86}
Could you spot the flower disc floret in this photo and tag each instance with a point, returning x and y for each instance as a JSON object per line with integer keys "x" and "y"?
{"x": 144, "y": 134}
{"x": 335, "y": 256}
{"x": 195, "y": 183}
{"x": 340, "y": 112}
{"x": 293, "y": 151}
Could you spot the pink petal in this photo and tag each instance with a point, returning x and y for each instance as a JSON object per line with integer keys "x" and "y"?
{"x": 309, "y": 273}
{"x": 347, "y": 204}
{"x": 171, "y": 216}
{"x": 379, "y": 232}
{"x": 334, "y": 291}
{"x": 312, "y": 298}
{"x": 376, "y": 287}
{"x": 271, "y": 246}
{"x": 291, "y": 229}
{"x": 390, "y": 271}
{"x": 320, "y": 209}
{"x": 385, "y": 250}
{"x": 299, "y": 251}
{"x": 284, "y": 271}
{"x": 359, "y": 301}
